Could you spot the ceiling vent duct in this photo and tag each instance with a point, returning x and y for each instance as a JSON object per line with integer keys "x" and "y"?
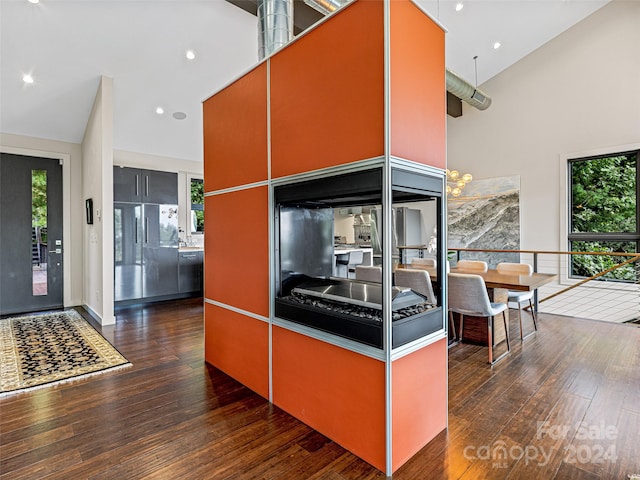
{"x": 467, "y": 92}
{"x": 275, "y": 25}
{"x": 326, "y": 6}
{"x": 275, "y": 30}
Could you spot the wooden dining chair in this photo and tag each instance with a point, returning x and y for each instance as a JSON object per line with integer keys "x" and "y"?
{"x": 472, "y": 265}
{"x": 518, "y": 296}
{"x": 467, "y": 294}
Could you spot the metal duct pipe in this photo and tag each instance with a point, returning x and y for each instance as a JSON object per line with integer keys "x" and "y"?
{"x": 467, "y": 92}
{"x": 326, "y": 6}
{"x": 275, "y": 25}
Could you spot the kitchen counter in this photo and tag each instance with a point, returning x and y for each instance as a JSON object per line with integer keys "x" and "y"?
{"x": 191, "y": 249}
{"x": 342, "y": 251}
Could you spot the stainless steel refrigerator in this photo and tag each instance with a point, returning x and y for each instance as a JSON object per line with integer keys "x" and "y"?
{"x": 145, "y": 250}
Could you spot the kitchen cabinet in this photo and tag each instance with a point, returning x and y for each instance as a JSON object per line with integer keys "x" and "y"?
{"x": 190, "y": 271}
{"x": 145, "y": 221}
{"x": 144, "y": 186}
{"x": 160, "y": 252}
{"x": 145, "y": 250}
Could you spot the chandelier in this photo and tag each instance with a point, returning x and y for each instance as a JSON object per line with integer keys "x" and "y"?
{"x": 456, "y": 182}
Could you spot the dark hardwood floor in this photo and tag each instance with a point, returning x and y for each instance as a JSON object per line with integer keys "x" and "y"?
{"x": 564, "y": 405}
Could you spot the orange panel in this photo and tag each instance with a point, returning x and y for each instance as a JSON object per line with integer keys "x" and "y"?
{"x": 239, "y": 346}
{"x": 418, "y": 95}
{"x": 235, "y": 133}
{"x": 337, "y": 392}
{"x": 419, "y": 400}
{"x": 327, "y": 93}
{"x": 237, "y": 249}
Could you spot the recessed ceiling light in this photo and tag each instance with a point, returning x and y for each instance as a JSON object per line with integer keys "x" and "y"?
{"x": 34, "y": 1}
{"x": 190, "y": 54}
{"x": 159, "y": 110}
{"x": 459, "y": 6}
{"x": 26, "y": 78}
{"x": 496, "y": 45}
{"x": 179, "y": 115}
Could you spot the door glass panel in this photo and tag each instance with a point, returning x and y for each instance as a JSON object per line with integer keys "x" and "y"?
{"x": 39, "y": 252}
{"x": 117, "y": 228}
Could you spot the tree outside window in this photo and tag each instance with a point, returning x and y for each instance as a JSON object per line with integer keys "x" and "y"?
{"x": 604, "y": 213}
{"x": 197, "y": 205}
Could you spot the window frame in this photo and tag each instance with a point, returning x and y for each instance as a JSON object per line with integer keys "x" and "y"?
{"x": 631, "y": 237}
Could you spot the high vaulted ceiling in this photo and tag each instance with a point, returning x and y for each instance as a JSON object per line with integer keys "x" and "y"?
{"x": 66, "y": 45}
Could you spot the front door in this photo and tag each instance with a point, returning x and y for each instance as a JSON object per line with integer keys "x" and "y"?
{"x": 31, "y": 246}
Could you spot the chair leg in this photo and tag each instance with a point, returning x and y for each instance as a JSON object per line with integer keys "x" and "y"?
{"x": 452, "y": 325}
{"x": 534, "y": 315}
{"x": 520, "y": 319}
{"x": 506, "y": 329}
{"x": 492, "y": 362}
{"x": 535, "y": 326}
{"x": 490, "y": 339}
{"x": 461, "y": 327}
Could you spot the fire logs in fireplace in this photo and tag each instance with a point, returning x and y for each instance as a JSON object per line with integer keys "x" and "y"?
{"x": 353, "y": 309}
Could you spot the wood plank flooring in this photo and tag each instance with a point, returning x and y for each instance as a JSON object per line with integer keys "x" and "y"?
{"x": 564, "y": 405}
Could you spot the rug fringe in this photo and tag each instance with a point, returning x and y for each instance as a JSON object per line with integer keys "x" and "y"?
{"x": 65, "y": 380}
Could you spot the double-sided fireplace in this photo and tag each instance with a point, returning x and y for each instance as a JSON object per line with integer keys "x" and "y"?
{"x": 309, "y": 289}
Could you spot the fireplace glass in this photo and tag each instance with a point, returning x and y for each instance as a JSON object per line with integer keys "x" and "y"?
{"x": 330, "y": 255}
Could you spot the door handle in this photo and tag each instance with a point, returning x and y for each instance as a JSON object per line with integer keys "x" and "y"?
{"x": 135, "y": 222}
{"x": 146, "y": 229}
{"x": 137, "y": 189}
{"x": 57, "y": 251}
{"x": 146, "y": 178}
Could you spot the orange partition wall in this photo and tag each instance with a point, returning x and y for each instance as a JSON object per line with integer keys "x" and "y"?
{"x": 339, "y": 393}
{"x": 318, "y": 103}
{"x": 237, "y": 249}
{"x": 327, "y": 93}
{"x": 235, "y": 133}
{"x": 417, "y": 87}
{"x": 239, "y": 346}
{"x": 419, "y": 400}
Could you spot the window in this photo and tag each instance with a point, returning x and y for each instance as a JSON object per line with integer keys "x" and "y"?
{"x": 197, "y": 205}
{"x": 604, "y": 213}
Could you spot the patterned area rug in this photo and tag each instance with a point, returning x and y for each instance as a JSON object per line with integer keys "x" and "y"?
{"x": 45, "y": 349}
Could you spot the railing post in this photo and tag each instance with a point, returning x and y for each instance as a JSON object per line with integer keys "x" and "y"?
{"x": 535, "y": 292}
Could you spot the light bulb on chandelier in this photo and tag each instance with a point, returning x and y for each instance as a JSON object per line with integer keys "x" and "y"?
{"x": 456, "y": 182}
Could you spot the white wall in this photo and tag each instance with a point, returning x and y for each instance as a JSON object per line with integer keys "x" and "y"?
{"x": 97, "y": 154}
{"x": 72, "y": 203}
{"x": 577, "y": 94}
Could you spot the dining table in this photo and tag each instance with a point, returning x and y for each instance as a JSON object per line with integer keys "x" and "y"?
{"x": 498, "y": 285}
